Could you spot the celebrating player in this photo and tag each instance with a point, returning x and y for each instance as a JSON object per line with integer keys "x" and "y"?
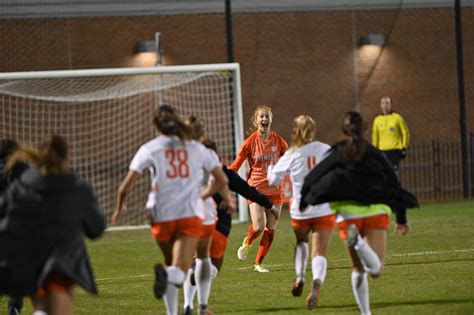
{"x": 177, "y": 165}
{"x": 362, "y": 187}
{"x": 305, "y": 152}
{"x": 262, "y": 148}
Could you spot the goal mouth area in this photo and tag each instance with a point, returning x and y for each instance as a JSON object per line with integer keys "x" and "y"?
{"x": 106, "y": 114}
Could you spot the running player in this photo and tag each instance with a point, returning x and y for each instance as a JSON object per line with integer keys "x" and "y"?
{"x": 176, "y": 226}
{"x": 223, "y": 226}
{"x": 362, "y": 187}
{"x": 202, "y": 264}
{"x": 48, "y": 211}
{"x": 318, "y": 221}
{"x": 262, "y": 148}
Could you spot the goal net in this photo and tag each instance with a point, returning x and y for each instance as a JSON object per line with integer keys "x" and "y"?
{"x": 106, "y": 114}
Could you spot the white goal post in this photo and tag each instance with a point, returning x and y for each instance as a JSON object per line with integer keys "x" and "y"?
{"x": 106, "y": 114}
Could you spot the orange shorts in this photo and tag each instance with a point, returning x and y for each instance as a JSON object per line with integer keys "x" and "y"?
{"x": 55, "y": 282}
{"x": 218, "y": 245}
{"x": 207, "y": 231}
{"x": 379, "y": 221}
{"x": 326, "y": 222}
{"x": 274, "y": 199}
{"x": 164, "y": 231}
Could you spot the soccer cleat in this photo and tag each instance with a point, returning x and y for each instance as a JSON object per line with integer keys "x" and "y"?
{"x": 260, "y": 268}
{"x": 161, "y": 281}
{"x": 243, "y": 251}
{"x": 313, "y": 297}
{"x": 297, "y": 288}
{"x": 352, "y": 235}
{"x": 188, "y": 311}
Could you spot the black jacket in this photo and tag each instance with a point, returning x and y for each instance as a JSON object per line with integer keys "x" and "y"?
{"x": 46, "y": 220}
{"x": 368, "y": 181}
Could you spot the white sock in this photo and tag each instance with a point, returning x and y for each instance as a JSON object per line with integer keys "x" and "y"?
{"x": 203, "y": 279}
{"x": 171, "y": 299}
{"x": 188, "y": 290}
{"x": 39, "y": 312}
{"x": 319, "y": 265}
{"x": 175, "y": 278}
{"x": 301, "y": 259}
{"x": 360, "y": 289}
{"x": 368, "y": 257}
{"x": 175, "y": 275}
{"x": 214, "y": 272}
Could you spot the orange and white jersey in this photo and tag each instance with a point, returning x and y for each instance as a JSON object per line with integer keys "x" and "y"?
{"x": 298, "y": 162}
{"x": 260, "y": 154}
{"x": 176, "y": 175}
{"x": 209, "y": 211}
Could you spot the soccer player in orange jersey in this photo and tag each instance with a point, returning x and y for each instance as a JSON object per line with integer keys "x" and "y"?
{"x": 262, "y": 148}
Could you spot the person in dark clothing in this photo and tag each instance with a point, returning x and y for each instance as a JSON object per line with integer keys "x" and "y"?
{"x": 48, "y": 213}
{"x": 7, "y": 148}
{"x": 362, "y": 188}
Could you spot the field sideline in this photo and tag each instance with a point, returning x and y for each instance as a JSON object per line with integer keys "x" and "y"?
{"x": 429, "y": 271}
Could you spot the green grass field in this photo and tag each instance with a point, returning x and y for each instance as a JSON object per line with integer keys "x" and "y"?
{"x": 430, "y": 271}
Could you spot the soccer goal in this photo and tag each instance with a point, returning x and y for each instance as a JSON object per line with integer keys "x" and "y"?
{"x": 106, "y": 114}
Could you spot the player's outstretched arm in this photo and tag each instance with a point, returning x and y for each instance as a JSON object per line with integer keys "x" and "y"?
{"x": 239, "y": 185}
{"x": 122, "y": 194}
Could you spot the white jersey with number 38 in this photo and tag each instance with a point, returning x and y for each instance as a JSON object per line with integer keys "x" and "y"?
{"x": 176, "y": 168}
{"x": 298, "y": 162}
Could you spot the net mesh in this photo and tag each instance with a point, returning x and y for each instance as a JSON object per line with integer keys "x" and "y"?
{"x": 105, "y": 119}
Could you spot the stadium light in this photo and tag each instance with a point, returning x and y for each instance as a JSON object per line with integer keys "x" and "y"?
{"x": 147, "y": 46}
{"x": 377, "y": 39}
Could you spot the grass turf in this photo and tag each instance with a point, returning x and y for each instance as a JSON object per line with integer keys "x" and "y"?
{"x": 429, "y": 271}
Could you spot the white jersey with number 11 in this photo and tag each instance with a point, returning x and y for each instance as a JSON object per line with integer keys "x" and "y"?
{"x": 298, "y": 162}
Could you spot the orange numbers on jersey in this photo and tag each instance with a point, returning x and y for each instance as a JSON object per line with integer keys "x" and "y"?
{"x": 311, "y": 162}
{"x": 178, "y": 159}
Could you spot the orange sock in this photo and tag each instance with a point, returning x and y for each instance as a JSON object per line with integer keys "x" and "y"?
{"x": 252, "y": 235}
{"x": 265, "y": 243}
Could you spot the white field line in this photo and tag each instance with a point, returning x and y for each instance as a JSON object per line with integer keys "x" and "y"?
{"x": 122, "y": 278}
{"x": 287, "y": 265}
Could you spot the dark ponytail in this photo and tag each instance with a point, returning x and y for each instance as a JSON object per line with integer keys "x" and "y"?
{"x": 353, "y": 126}
{"x": 168, "y": 123}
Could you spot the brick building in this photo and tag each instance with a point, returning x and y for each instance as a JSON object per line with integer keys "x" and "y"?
{"x": 296, "y": 56}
